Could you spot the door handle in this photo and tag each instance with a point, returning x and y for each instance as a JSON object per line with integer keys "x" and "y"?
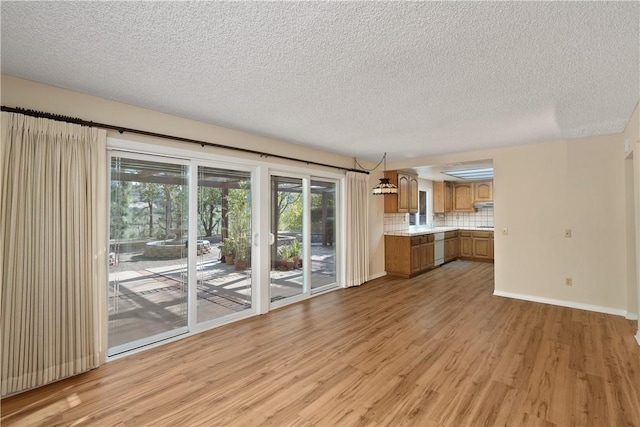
{"x": 272, "y": 239}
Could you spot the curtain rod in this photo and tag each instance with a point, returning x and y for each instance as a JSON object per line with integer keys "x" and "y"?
{"x": 77, "y": 121}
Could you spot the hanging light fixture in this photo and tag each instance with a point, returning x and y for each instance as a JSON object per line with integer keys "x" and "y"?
{"x": 384, "y": 186}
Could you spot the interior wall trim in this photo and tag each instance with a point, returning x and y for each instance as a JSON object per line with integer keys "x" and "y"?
{"x": 562, "y": 303}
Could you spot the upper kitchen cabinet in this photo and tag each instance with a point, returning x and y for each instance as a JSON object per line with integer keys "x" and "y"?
{"x": 463, "y": 197}
{"x": 407, "y": 198}
{"x": 483, "y": 191}
{"x": 442, "y": 196}
{"x": 460, "y": 196}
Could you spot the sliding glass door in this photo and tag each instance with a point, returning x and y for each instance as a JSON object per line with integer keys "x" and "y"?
{"x": 288, "y": 238}
{"x": 303, "y": 226}
{"x": 149, "y": 212}
{"x": 224, "y": 284}
{"x": 323, "y": 235}
{"x": 182, "y": 236}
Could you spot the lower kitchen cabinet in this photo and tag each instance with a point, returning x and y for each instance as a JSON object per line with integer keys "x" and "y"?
{"x": 482, "y": 248}
{"x": 406, "y": 256}
{"x": 466, "y": 244}
{"x": 476, "y": 245}
{"x": 451, "y": 246}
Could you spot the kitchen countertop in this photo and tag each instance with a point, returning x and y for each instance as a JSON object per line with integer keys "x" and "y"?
{"x": 418, "y": 230}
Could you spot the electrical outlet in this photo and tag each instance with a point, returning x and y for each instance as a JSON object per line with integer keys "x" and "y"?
{"x": 505, "y": 231}
{"x": 568, "y": 281}
{"x": 567, "y": 233}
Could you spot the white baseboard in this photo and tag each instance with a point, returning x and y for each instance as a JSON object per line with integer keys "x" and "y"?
{"x": 562, "y": 303}
{"x": 631, "y": 316}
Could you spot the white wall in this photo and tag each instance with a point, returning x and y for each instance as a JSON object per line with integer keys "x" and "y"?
{"x": 632, "y": 171}
{"x": 36, "y": 96}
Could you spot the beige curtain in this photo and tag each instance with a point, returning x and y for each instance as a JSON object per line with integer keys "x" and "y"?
{"x": 357, "y": 225}
{"x": 52, "y": 249}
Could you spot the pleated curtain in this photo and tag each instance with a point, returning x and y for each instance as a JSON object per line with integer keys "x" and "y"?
{"x": 52, "y": 249}
{"x": 357, "y": 195}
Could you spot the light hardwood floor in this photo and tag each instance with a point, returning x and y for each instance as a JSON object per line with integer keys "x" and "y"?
{"x": 437, "y": 349}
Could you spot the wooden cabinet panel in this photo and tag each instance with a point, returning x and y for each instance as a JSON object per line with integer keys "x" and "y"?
{"x": 442, "y": 196}
{"x": 466, "y": 247}
{"x": 451, "y": 234}
{"x": 413, "y": 194}
{"x": 407, "y": 198}
{"x": 397, "y": 255}
{"x": 451, "y": 250}
{"x": 463, "y": 197}
{"x": 415, "y": 259}
{"x": 483, "y": 191}
{"x": 427, "y": 254}
{"x": 481, "y": 248}
{"x": 403, "y": 193}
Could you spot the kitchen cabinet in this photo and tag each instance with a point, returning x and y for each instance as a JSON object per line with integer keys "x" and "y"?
{"x": 407, "y": 198}
{"x": 483, "y": 191}
{"x": 466, "y": 244}
{"x": 476, "y": 245}
{"x": 451, "y": 246}
{"x": 482, "y": 245}
{"x": 413, "y": 194}
{"x": 463, "y": 197}
{"x": 406, "y": 256}
{"x": 442, "y": 196}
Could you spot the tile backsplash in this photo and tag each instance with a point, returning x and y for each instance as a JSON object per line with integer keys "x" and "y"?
{"x": 396, "y": 221}
{"x": 482, "y": 217}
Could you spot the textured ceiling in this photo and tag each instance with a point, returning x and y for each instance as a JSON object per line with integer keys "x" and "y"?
{"x": 357, "y": 78}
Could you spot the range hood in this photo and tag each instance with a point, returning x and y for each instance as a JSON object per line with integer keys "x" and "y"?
{"x": 480, "y": 205}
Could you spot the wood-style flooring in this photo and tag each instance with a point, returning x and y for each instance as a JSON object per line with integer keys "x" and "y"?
{"x": 437, "y": 349}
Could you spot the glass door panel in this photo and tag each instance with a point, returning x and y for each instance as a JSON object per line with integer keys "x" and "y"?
{"x": 147, "y": 252}
{"x": 323, "y": 235}
{"x": 286, "y": 277}
{"x": 224, "y": 243}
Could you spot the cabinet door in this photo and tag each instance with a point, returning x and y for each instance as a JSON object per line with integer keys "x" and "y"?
{"x": 448, "y": 196}
{"x": 447, "y": 249}
{"x": 427, "y": 255}
{"x": 466, "y": 247}
{"x": 413, "y": 194}
{"x": 438, "y": 196}
{"x": 482, "y": 248}
{"x": 483, "y": 191}
{"x": 450, "y": 249}
{"x": 403, "y": 193}
{"x": 463, "y": 197}
{"x": 415, "y": 259}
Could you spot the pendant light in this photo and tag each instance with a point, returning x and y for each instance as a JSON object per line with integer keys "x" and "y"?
{"x": 384, "y": 186}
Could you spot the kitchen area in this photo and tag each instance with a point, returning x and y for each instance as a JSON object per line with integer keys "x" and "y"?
{"x": 438, "y": 216}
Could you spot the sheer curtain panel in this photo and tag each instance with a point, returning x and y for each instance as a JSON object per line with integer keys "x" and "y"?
{"x": 357, "y": 268}
{"x": 52, "y": 251}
